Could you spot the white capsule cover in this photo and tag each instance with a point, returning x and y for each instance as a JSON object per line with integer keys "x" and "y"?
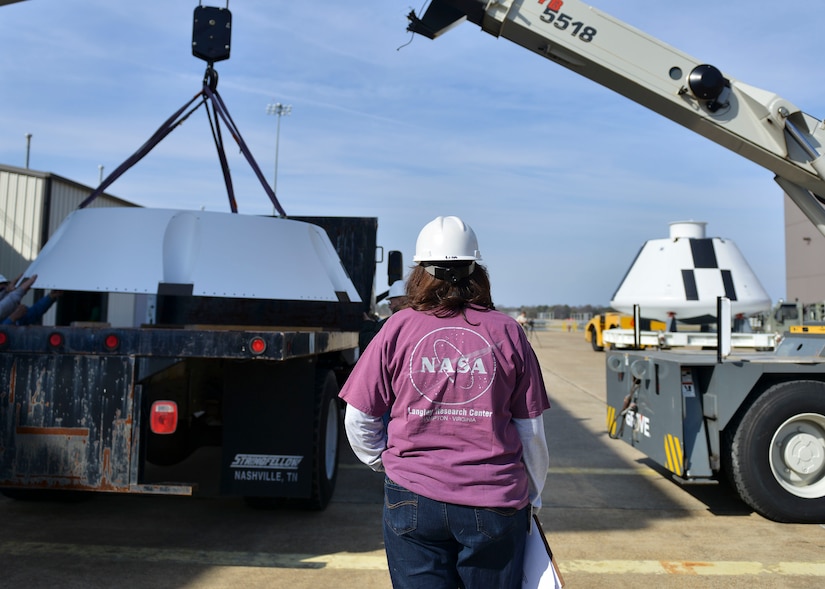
{"x": 685, "y": 273}
{"x": 134, "y": 250}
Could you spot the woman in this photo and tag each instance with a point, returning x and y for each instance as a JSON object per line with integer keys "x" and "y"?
{"x": 464, "y": 452}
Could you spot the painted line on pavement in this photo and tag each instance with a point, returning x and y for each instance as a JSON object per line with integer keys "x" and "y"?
{"x": 638, "y": 471}
{"x": 340, "y": 560}
{"x": 376, "y": 561}
{"x": 699, "y": 568}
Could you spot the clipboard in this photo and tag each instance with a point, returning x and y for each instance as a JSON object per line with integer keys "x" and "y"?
{"x": 540, "y": 568}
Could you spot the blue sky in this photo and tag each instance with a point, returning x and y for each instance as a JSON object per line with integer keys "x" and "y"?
{"x": 562, "y": 179}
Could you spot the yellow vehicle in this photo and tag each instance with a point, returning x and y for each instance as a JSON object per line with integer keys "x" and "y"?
{"x": 595, "y": 328}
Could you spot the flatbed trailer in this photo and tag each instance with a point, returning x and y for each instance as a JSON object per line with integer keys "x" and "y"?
{"x": 77, "y": 402}
{"x": 245, "y": 353}
{"x": 626, "y": 338}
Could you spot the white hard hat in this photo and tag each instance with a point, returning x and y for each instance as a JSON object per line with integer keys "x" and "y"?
{"x": 3, "y": 279}
{"x": 397, "y": 289}
{"x": 446, "y": 239}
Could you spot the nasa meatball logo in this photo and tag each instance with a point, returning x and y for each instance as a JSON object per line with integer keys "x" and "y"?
{"x": 452, "y": 366}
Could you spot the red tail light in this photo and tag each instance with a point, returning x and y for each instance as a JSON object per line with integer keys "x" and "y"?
{"x": 56, "y": 340}
{"x": 111, "y": 342}
{"x": 164, "y": 417}
{"x": 257, "y": 345}
{"x": 4, "y": 338}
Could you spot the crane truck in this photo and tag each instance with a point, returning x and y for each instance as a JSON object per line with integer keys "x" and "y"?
{"x": 755, "y": 419}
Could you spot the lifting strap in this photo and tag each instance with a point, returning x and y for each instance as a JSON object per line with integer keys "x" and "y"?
{"x": 208, "y": 94}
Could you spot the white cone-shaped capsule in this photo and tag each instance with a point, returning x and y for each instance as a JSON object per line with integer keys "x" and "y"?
{"x": 682, "y": 276}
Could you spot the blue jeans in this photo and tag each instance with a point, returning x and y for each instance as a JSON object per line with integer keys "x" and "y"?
{"x": 436, "y": 545}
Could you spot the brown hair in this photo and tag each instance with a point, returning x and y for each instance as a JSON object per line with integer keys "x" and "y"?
{"x": 442, "y": 298}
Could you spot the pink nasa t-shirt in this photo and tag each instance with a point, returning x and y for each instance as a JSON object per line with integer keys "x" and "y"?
{"x": 453, "y": 387}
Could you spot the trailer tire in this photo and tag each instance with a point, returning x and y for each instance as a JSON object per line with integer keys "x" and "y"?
{"x": 777, "y": 453}
{"x": 326, "y": 432}
{"x": 594, "y": 341}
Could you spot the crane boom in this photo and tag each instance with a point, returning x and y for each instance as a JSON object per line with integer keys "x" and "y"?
{"x": 754, "y": 123}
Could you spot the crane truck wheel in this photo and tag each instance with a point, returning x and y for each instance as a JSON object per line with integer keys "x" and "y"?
{"x": 777, "y": 453}
{"x": 594, "y": 341}
{"x": 326, "y": 426}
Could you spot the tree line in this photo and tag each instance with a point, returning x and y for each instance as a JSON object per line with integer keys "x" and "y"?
{"x": 558, "y": 311}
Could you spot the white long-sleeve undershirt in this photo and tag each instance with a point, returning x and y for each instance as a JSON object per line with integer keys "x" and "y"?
{"x": 367, "y": 436}
{"x": 535, "y": 456}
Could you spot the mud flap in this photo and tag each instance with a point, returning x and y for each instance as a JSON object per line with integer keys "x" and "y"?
{"x": 268, "y": 429}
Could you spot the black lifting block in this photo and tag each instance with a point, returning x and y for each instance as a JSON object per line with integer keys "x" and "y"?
{"x": 211, "y": 33}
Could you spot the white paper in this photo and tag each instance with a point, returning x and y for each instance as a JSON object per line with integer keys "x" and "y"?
{"x": 538, "y": 570}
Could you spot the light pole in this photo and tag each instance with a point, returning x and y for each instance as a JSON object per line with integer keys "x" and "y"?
{"x": 28, "y": 148}
{"x": 278, "y": 110}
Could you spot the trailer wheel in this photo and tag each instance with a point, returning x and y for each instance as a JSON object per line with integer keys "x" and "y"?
{"x": 325, "y": 444}
{"x": 594, "y": 341}
{"x": 777, "y": 455}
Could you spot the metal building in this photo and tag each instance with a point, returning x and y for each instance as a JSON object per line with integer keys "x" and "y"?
{"x": 804, "y": 254}
{"x": 32, "y": 206}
